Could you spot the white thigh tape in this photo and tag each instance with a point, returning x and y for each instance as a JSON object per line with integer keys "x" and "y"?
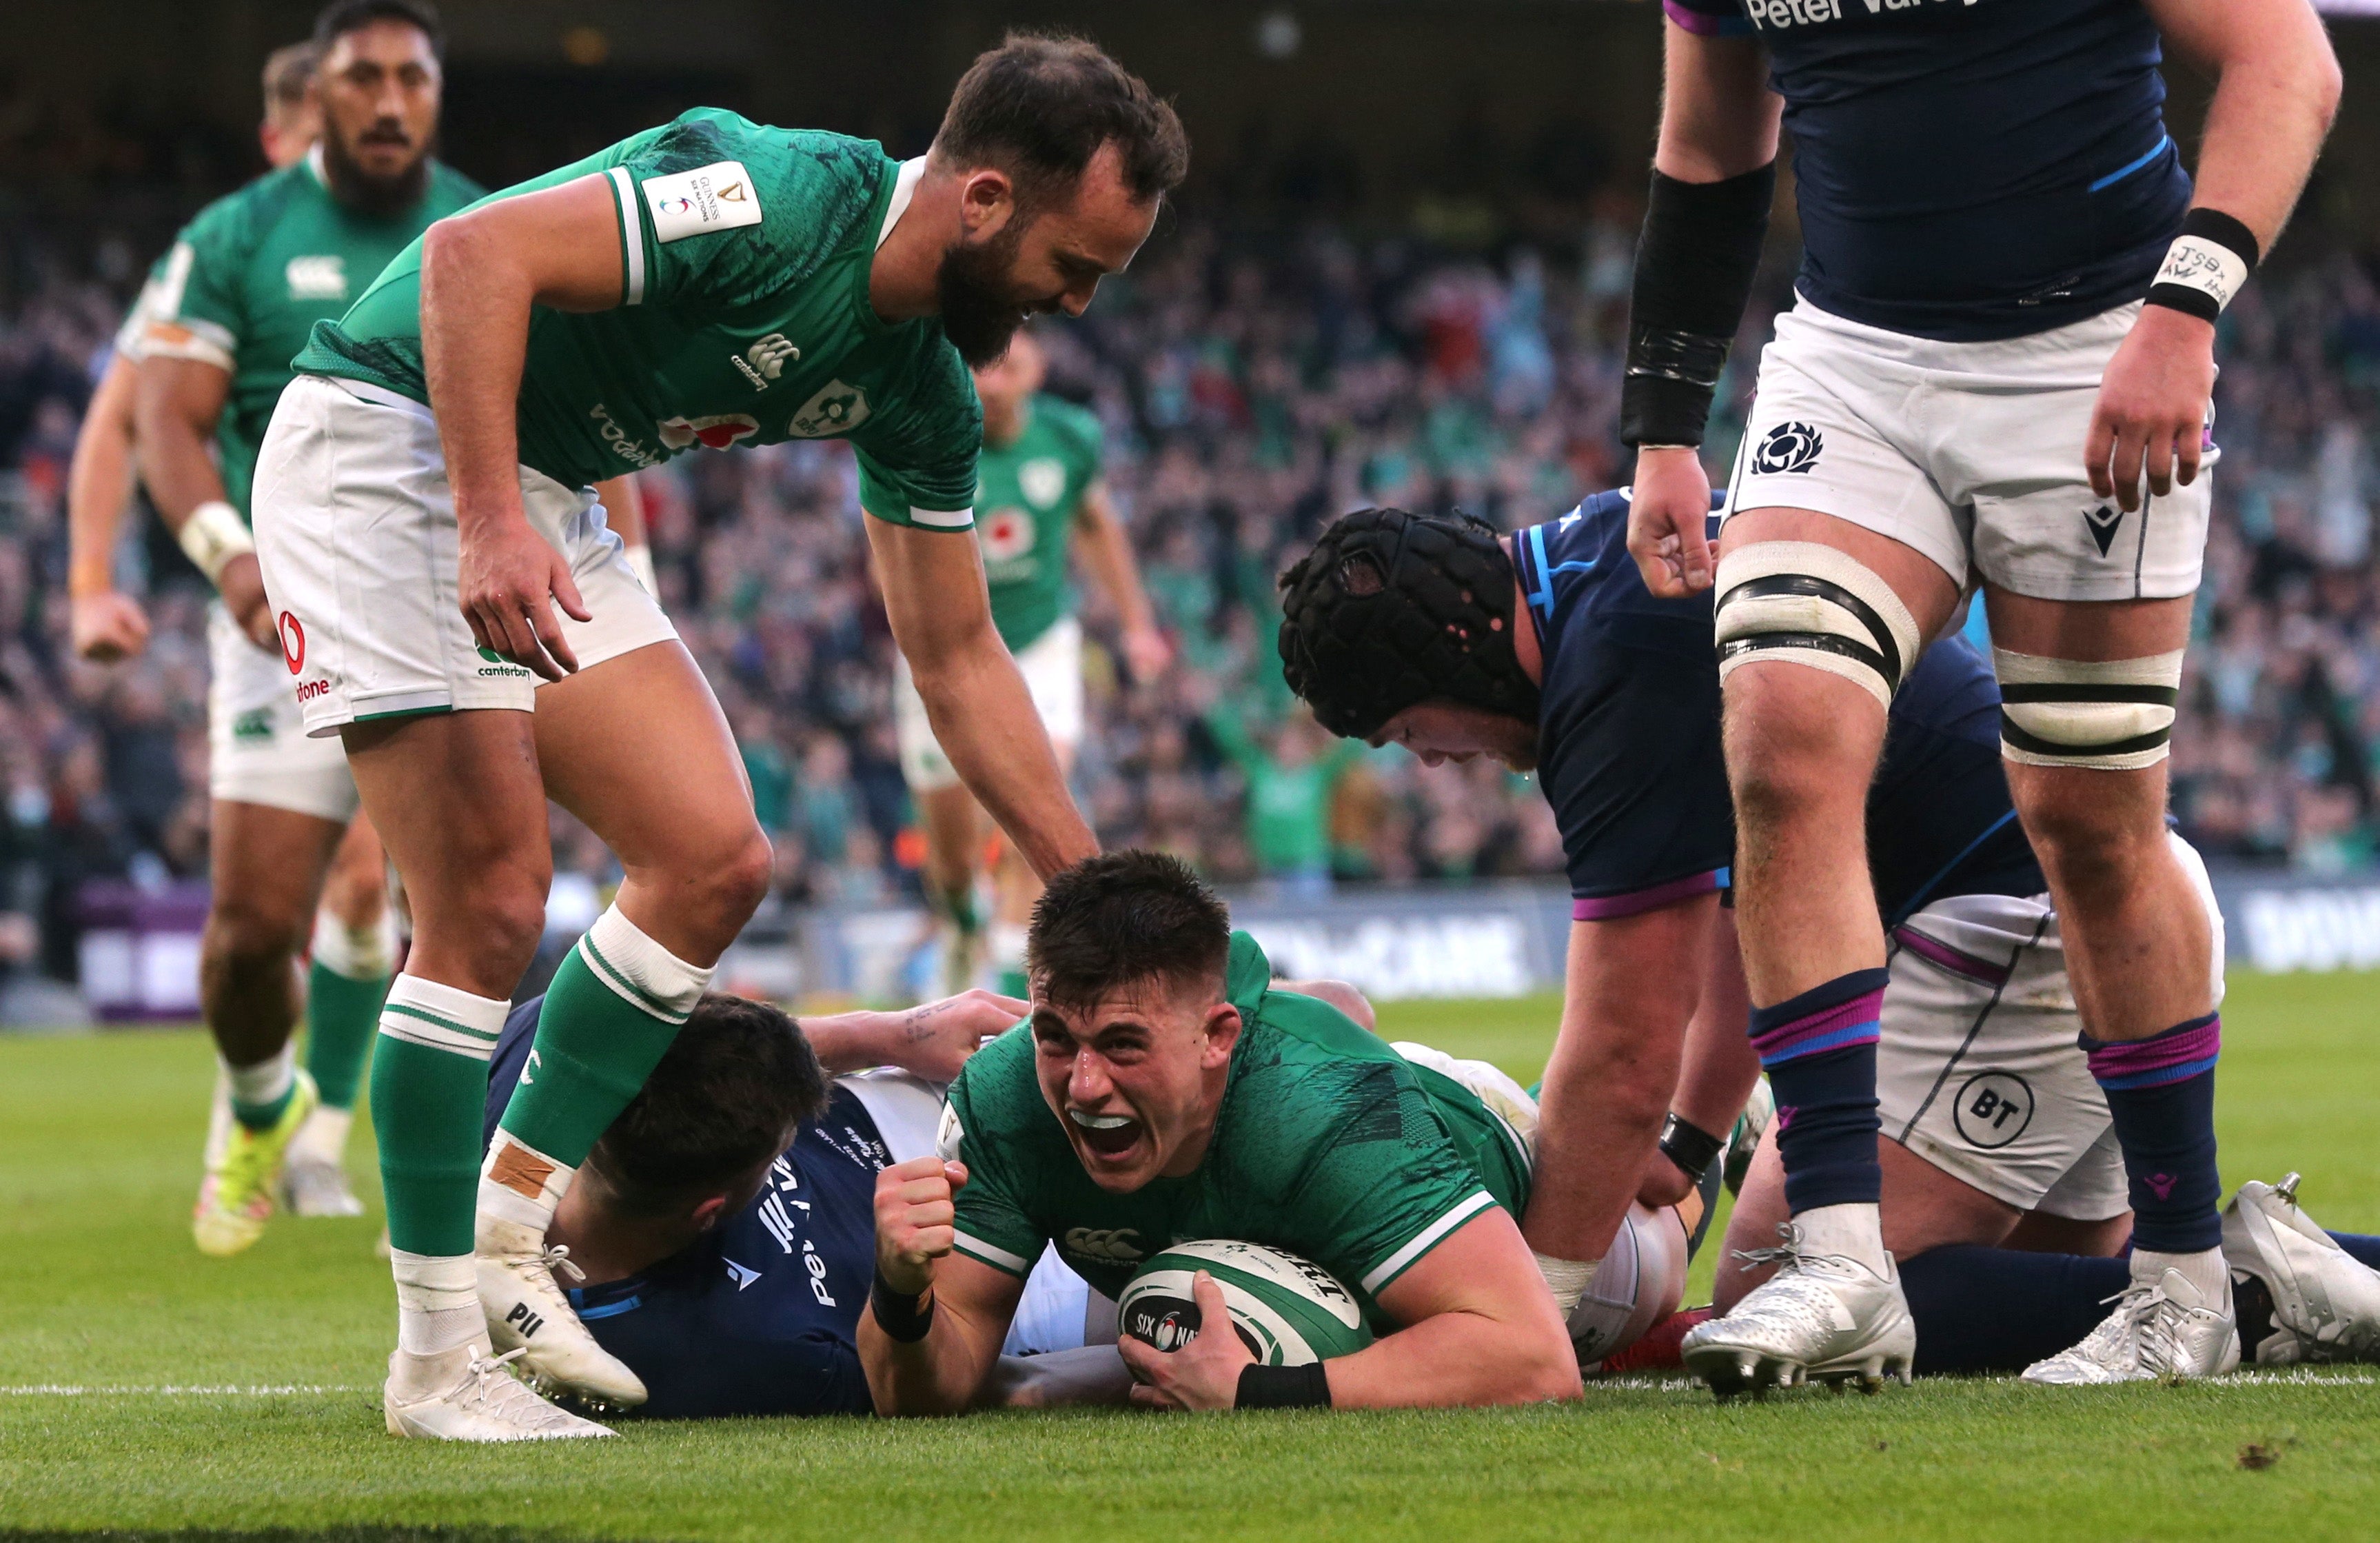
{"x": 2113, "y": 715}
{"x": 1809, "y": 605}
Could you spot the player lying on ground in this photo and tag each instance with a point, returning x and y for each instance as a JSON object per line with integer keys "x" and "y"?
{"x": 1037, "y": 483}
{"x": 720, "y": 1237}
{"x": 212, "y": 337}
{"x": 1165, "y": 1091}
{"x": 704, "y": 282}
{"x": 1996, "y": 375}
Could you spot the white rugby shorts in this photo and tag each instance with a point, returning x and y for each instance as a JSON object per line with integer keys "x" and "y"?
{"x": 1969, "y": 453}
{"x": 1977, "y": 1070}
{"x": 355, "y": 528}
{"x": 1052, "y": 667}
{"x": 258, "y": 751}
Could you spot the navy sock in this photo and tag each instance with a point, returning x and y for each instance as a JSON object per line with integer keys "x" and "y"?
{"x": 1998, "y": 1310}
{"x": 2161, "y": 1096}
{"x": 1819, "y": 1051}
{"x": 2363, "y": 1247}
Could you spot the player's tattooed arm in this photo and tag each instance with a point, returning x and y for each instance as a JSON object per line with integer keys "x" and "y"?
{"x": 2276, "y": 92}
{"x": 107, "y": 623}
{"x": 931, "y": 1041}
{"x": 481, "y": 273}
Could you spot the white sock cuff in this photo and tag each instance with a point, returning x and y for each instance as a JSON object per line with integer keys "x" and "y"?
{"x": 641, "y": 971}
{"x": 435, "y": 1283}
{"x": 443, "y": 1017}
{"x": 1007, "y": 944}
{"x": 265, "y": 1081}
{"x": 359, "y": 953}
{"x": 1567, "y": 1279}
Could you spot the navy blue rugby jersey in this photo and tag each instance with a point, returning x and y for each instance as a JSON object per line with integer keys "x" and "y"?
{"x": 761, "y": 1316}
{"x": 1969, "y": 169}
{"x": 1629, "y": 752}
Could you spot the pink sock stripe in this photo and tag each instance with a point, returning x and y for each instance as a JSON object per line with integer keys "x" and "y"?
{"x": 2112, "y": 1061}
{"x": 1780, "y": 1043}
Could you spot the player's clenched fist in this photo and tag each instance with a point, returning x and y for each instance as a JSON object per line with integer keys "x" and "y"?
{"x": 1669, "y": 511}
{"x": 914, "y": 1216}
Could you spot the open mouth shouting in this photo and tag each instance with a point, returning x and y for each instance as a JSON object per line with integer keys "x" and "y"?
{"x": 1109, "y": 1135}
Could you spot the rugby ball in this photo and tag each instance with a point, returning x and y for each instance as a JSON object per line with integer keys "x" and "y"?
{"x": 1288, "y": 1311}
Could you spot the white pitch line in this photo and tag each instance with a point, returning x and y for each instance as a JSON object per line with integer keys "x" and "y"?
{"x": 70, "y": 1390}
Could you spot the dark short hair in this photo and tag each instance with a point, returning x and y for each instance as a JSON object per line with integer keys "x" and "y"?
{"x": 1122, "y": 917}
{"x": 288, "y": 70}
{"x": 342, "y": 16}
{"x": 1039, "y": 107}
{"x": 1390, "y": 609}
{"x": 727, "y": 1096}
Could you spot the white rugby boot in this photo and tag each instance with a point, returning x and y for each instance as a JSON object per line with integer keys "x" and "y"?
{"x": 526, "y": 1312}
{"x": 465, "y": 1395}
{"x": 2326, "y": 1302}
{"x": 1824, "y": 1316}
{"x": 314, "y": 1180}
{"x": 2161, "y": 1330}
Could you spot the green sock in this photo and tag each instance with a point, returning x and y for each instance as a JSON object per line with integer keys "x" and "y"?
{"x": 428, "y": 1097}
{"x": 261, "y": 1093}
{"x": 342, "y": 1015}
{"x": 614, "y": 1006}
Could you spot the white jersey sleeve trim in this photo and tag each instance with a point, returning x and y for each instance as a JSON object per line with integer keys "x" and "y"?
{"x": 999, "y": 1258}
{"x": 179, "y": 339}
{"x": 943, "y": 519}
{"x": 632, "y": 236}
{"x": 1427, "y": 1239}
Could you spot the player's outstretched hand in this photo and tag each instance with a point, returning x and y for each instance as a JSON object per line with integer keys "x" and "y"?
{"x": 1668, "y": 516}
{"x": 2151, "y": 416}
{"x": 506, "y": 574}
{"x": 913, "y": 1218}
{"x": 242, "y": 586}
{"x": 937, "y": 1039}
{"x": 1204, "y": 1374}
{"x": 107, "y": 627}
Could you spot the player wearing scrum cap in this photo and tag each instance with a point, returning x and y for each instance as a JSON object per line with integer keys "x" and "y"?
{"x": 704, "y": 282}
{"x": 1968, "y": 391}
{"x": 212, "y": 335}
{"x": 1166, "y": 1088}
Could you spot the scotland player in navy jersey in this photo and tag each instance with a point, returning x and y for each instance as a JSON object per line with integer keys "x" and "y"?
{"x": 1969, "y": 393}
{"x": 1623, "y": 737}
{"x": 721, "y": 1235}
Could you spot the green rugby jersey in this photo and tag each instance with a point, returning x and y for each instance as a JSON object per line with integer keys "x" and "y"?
{"x": 248, "y": 279}
{"x": 1329, "y": 1144}
{"x": 743, "y": 315}
{"x": 1029, "y": 492}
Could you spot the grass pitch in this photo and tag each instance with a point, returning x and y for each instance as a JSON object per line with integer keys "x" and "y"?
{"x": 145, "y": 1390}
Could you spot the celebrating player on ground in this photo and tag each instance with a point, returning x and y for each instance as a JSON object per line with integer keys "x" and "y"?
{"x": 237, "y": 296}
{"x": 1164, "y": 1090}
{"x": 1968, "y": 391}
{"x": 1037, "y": 483}
{"x": 705, "y": 282}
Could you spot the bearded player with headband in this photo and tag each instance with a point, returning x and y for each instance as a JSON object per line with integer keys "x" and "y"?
{"x": 1996, "y": 374}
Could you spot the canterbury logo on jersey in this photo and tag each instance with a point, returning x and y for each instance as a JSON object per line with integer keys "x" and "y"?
{"x": 317, "y": 278}
{"x": 1110, "y": 1244}
{"x": 717, "y": 197}
{"x": 766, "y": 359}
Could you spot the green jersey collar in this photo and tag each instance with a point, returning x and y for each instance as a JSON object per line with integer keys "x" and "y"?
{"x": 1247, "y": 976}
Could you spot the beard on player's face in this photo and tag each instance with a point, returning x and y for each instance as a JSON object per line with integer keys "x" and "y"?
{"x": 981, "y": 304}
{"x": 349, "y": 165}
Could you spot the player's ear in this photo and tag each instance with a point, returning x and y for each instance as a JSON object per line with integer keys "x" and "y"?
{"x": 986, "y": 203}
{"x": 1222, "y": 1029}
{"x": 709, "y": 1213}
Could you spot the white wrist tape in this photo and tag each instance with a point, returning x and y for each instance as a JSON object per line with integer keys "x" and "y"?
{"x": 2209, "y": 267}
{"x": 212, "y": 536}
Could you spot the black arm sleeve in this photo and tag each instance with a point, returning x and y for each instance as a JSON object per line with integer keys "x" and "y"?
{"x": 1694, "y": 263}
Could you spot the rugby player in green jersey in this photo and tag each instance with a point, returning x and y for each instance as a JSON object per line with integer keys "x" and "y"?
{"x": 233, "y": 300}
{"x": 1038, "y": 485}
{"x": 1166, "y": 1089}
{"x": 709, "y": 281}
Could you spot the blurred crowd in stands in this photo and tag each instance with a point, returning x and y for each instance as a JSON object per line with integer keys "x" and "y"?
{"x": 1251, "y": 389}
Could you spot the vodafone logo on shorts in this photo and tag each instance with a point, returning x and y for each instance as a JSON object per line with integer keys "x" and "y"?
{"x": 292, "y": 641}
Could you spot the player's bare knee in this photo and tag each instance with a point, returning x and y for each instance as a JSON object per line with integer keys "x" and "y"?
{"x": 253, "y": 930}
{"x": 718, "y": 896}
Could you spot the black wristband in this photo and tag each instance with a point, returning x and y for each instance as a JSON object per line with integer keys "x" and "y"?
{"x": 1694, "y": 265}
{"x": 902, "y": 1316}
{"x": 2196, "y": 281}
{"x": 1305, "y": 1387}
{"x": 1689, "y": 1146}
